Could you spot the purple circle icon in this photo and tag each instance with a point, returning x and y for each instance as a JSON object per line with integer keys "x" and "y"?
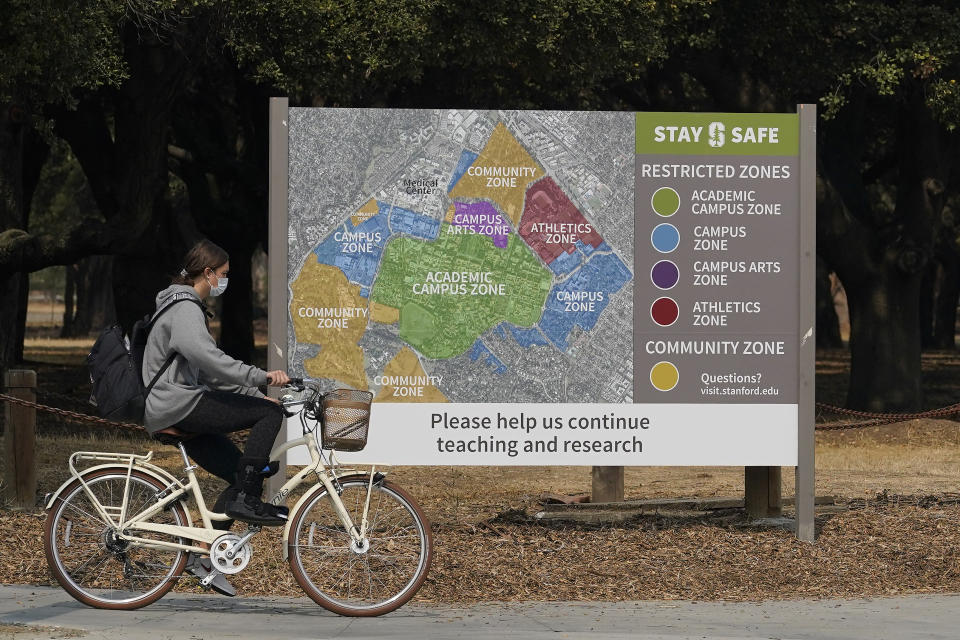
{"x": 664, "y": 274}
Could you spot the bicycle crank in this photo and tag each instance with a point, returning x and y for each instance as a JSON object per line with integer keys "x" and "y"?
{"x": 230, "y": 553}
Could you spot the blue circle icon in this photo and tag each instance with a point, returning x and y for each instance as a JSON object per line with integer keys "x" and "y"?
{"x": 665, "y": 237}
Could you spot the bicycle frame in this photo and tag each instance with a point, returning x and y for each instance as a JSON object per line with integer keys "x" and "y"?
{"x": 327, "y": 474}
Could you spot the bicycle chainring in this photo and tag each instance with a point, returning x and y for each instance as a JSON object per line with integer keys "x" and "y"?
{"x": 222, "y": 546}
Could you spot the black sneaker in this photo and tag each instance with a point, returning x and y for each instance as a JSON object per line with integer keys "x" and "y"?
{"x": 252, "y": 510}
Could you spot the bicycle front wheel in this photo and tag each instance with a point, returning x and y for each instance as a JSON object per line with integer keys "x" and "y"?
{"x": 367, "y": 579}
{"x": 91, "y": 562}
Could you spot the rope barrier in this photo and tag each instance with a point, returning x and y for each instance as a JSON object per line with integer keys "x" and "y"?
{"x": 867, "y": 418}
{"x": 873, "y": 419}
{"x": 71, "y": 415}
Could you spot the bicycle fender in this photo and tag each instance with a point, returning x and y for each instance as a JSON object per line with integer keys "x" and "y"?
{"x": 309, "y": 495}
{"x": 151, "y": 470}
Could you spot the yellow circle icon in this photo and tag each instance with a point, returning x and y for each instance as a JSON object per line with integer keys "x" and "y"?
{"x": 664, "y": 376}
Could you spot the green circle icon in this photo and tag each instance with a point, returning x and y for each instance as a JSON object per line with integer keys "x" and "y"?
{"x": 665, "y": 201}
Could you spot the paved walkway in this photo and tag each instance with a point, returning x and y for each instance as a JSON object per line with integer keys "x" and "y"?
{"x": 191, "y": 617}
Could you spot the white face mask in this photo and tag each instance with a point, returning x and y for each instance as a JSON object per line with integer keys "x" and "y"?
{"x": 220, "y": 288}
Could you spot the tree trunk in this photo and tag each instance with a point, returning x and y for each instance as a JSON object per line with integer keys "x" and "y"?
{"x": 22, "y": 316}
{"x": 828, "y": 325}
{"x": 69, "y": 295}
{"x": 95, "y": 303}
{"x": 881, "y": 256}
{"x": 11, "y": 217}
{"x": 885, "y": 343}
{"x": 945, "y": 312}
{"x": 236, "y": 316}
{"x": 225, "y": 132}
{"x": 928, "y": 284}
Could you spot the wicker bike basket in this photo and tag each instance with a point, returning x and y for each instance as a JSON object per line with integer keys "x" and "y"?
{"x": 344, "y": 419}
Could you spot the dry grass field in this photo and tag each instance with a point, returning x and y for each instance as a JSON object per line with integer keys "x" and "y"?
{"x": 897, "y": 529}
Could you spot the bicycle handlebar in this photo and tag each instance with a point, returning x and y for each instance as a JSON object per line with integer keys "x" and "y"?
{"x": 300, "y": 384}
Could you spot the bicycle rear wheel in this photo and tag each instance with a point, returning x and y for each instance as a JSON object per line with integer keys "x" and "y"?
{"x": 360, "y": 580}
{"x": 88, "y": 559}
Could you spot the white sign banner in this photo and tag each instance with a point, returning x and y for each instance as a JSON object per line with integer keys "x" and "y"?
{"x": 581, "y": 434}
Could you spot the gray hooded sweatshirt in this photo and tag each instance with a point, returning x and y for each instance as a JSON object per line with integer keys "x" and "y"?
{"x": 198, "y": 367}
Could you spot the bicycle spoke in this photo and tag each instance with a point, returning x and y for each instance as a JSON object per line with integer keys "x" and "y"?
{"x": 106, "y": 569}
{"x": 79, "y": 569}
{"x": 334, "y": 569}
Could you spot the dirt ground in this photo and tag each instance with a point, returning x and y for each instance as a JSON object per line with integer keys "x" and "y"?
{"x": 897, "y": 531}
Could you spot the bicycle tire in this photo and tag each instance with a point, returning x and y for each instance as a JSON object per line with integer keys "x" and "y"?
{"x": 82, "y": 523}
{"x": 392, "y": 511}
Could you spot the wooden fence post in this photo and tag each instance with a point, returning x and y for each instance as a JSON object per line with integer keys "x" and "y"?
{"x": 762, "y": 496}
{"x": 607, "y": 484}
{"x": 20, "y": 472}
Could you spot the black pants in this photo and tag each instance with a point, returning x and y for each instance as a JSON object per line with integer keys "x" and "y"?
{"x": 222, "y": 412}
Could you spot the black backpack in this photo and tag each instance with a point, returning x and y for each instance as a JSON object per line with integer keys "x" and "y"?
{"x": 115, "y": 364}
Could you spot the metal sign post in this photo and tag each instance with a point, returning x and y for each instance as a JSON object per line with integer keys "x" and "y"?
{"x": 277, "y": 294}
{"x": 805, "y": 471}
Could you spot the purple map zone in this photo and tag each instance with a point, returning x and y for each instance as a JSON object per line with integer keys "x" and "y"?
{"x": 483, "y": 218}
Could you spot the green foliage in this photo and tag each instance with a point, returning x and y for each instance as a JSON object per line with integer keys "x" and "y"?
{"x": 886, "y": 45}
{"x": 543, "y": 53}
{"x": 517, "y": 52}
{"x": 826, "y": 52}
{"x": 49, "y": 48}
{"x": 340, "y": 51}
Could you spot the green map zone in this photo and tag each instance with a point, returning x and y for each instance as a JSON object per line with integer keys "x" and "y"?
{"x": 452, "y": 290}
{"x": 482, "y": 295}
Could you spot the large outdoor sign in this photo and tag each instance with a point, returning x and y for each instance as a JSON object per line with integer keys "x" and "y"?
{"x": 547, "y": 287}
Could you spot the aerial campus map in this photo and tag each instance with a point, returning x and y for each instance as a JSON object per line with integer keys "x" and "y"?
{"x": 463, "y": 255}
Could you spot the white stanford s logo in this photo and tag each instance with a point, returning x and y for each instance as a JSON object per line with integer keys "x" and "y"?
{"x": 716, "y": 134}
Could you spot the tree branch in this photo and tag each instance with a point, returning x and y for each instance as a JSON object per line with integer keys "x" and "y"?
{"x": 24, "y": 252}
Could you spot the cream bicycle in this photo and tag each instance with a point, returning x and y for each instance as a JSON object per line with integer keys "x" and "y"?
{"x": 118, "y": 533}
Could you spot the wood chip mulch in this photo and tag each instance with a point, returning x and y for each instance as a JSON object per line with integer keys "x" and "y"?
{"x": 885, "y": 546}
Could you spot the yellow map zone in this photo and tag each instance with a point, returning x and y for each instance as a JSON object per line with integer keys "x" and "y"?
{"x": 330, "y": 312}
{"x": 482, "y": 179}
{"x": 383, "y": 314}
{"x": 365, "y": 212}
{"x": 406, "y": 377}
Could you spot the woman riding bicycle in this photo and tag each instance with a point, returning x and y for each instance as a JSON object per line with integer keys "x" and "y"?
{"x": 206, "y": 394}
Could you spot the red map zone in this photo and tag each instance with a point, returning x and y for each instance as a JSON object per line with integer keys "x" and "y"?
{"x": 550, "y": 212}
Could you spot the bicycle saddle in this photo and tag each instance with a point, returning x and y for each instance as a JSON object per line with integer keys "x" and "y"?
{"x": 172, "y": 436}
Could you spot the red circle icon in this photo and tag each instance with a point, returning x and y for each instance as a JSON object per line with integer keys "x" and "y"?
{"x": 664, "y": 311}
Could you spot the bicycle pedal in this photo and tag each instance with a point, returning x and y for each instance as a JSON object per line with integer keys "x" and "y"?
{"x": 210, "y": 577}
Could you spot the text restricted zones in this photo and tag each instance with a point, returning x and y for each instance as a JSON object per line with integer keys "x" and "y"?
{"x": 579, "y": 434}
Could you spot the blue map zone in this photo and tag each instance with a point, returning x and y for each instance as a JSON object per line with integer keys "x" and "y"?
{"x": 359, "y": 267}
{"x": 565, "y": 262}
{"x": 527, "y": 337}
{"x": 410, "y": 222}
{"x": 587, "y": 249}
{"x": 480, "y": 350}
{"x": 604, "y": 272}
{"x": 467, "y": 158}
